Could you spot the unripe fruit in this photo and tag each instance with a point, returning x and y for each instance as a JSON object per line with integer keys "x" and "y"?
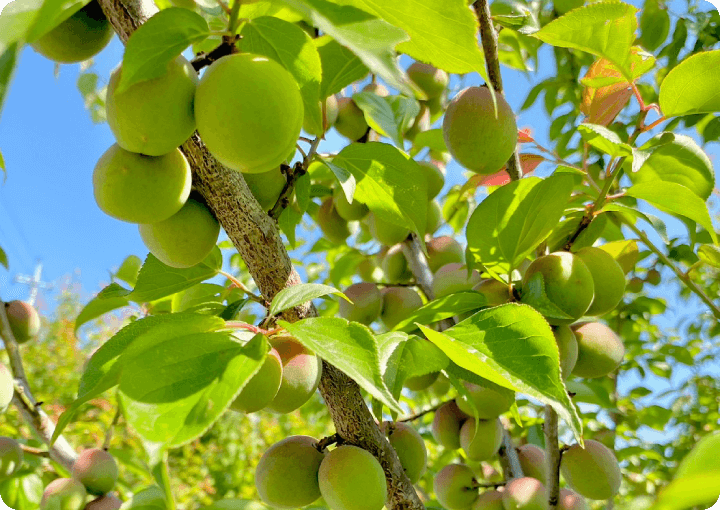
{"x": 409, "y": 446}
{"x": 80, "y": 37}
{"x": 421, "y": 382}
{"x": 398, "y": 303}
{"x": 567, "y": 347}
{"x": 350, "y": 121}
{"x": 446, "y": 425}
{"x": 385, "y": 232}
{"x": 600, "y": 350}
{"x": 287, "y": 474}
{"x": 107, "y": 502}
{"x": 653, "y": 277}
{"x": 97, "y": 470}
{"x": 367, "y": 303}
{"x": 266, "y": 187}
{"x": 63, "y": 494}
{"x": 261, "y": 389}
{"x": 608, "y": 279}
{"x": 635, "y": 284}
{"x": 454, "y": 487}
{"x": 395, "y": 265}
{"x": 7, "y": 387}
{"x": 249, "y": 112}
{"x": 481, "y": 440}
{"x": 430, "y": 80}
{"x": 376, "y": 88}
{"x": 441, "y": 386}
{"x": 435, "y": 178}
{"x": 331, "y": 113}
{"x": 444, "y": 250}
{"x": 420, "y": 123}
{"x": 141, "y": 189}
{"x": 153, "y": 117}
{"x": 496, "y": 293}
{"x": 475, "y": 137}
{"x": 11, "y": 457}
{"x": 331, "y": 223}
{"x": 490, "y": 500}
{"x": 570, "y": 500}
{"x": 568, "y": 283}
{"x": 351, "y": 478}
{"x": 300, "y": 377}
{"x": 489, "y": 403}
{"x": 452, "y": 278}
{"x": 346, "y": 210}
{"x": 593, "y": 471}
{"x": 532, "y": 461}
{"x": 24, "y": 320}
{"x": 185, "y": 238}
{"x": 434, "y": 217}
{"x": 525, "y": 494}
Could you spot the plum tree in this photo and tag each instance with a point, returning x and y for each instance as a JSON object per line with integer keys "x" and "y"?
{"x": 185, "y": 238}
{"x": 478, "y": 137}
{"x": 525, "y": 494}
{"x": 446, "y": 425}
{"x": 568, "y": 283}
{"x": 592, "y": 471}
{"x": 350, "y": 120}
{"x": 410, "y": 448}
{"x": 454, "y": 487}
{"x": 366, "y": 303}
{"x": 141, "y": 189}
{"x": 80, "y": 37}
{"x": 153, "y": 117}
{"x": 395, "y": 265}
{"x": 608, "y": 279}
{"x": 532, "y": 461}
{"x": 333, "y": 226}
{"x": 106, "y": 502}
{"x": 452, "y": 278}
{"x": 398, "y": 303}
{"x": 421, "y": 382}
{"x": 567, "y": 347}
{"x": 444, "y": 250}
{"x": 266, "y": 187}
{"x": 496, "y": 292}
{"x": 600, "y": 350}
{"x": 287, "y": 474}
{"x": 430, "y": 80}
{"x": 24, "y": 320}
{"x": 331, "y": 113}
{"x": 350, "y": 478}
{"x": 570, "y": 500}
{"x": 385, "y": 232}
{"x": 249, "y": 112}
{"x": 11, "y": 457}
{"x": 435, "y": 177}
{"x": 301, "y": 373}
{"x": 97, "y": 470}
{"x": 346, "y": 210}
{"x": 489, "y": 500}
{"x": 63, "y": 494}
{"x": 7, "y": 387}
{"x": 490, "y": 403}
{"x": 481, "y": 440}
{"x": 261, "y": 389}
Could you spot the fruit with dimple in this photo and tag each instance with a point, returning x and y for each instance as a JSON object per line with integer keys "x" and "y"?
{"x": 249, "y": 112}
{"x": 446, "y": 425}
{"x": 435, "y": 177}
{"x": 153, "y": 117}
{"x": 489, "y": 500}
{"x": 11, "y": 457}
{"x": 7, "y": 387}
{"x": 593, "y": 471}
{"x": 600, "y": 350}
{"x": 409, "y": 446}
{"x": 454, "y": 487}
{"x": 287, "y": 474}
{"x": 385, "y": 232}
{"x": 24, "y": 320}
{"x": 395, "y": 265}
{"x": 266, "y": 187}
{"x": 350, "y": 478}
{"x": 141, "y": 189}
{"x": 481, "y": 440}
{"x": 350, "y": 120}
{"x": 106, "y": 502}
{"x": 452, "y": 278}
{"x": 331, "y": 113}
{"x": 570, "y": 500}
{"x": 262, "y": 387}
{"x": 430, "y": 80}
{"x": 366, "y": 303}
{"x": 398, "y": 303}
{"x": 300, "y": 376}
{"x": 346, "y": 210}
{"x": 80, "y": 37}
{"x": 608, "y": 279}
{"x": 63, "y": 494}
{"x": 444, "y": 250}
{"x": 97, "y": 470}
{"x": 525, "y": 494}
{"x": 496, "y": 292}
{"x": 568, "y": 283}
{"x": 421, "y": 382}
{"x": 532, "y": 461}
{"x": 333, "y": 226}
{"x": 477, "y": 138}
{"x": 489, "y": 402}
{"x": 567, "y": 348}
{"x": 185, "y": 238}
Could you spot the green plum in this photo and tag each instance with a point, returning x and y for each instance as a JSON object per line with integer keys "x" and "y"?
{"x": 385, "y": 232}
{"x": 421, "y": 382}
{"x": 490, "y": 403}
{"x": 454, "y": 487}
{"x": 97, "y": 470}
{"x": 532, "y": 461}
{"x": 346, "y": 210}
{"x": 592, "y": 471}
{"x": 446, "y": 425}
{"x": 489, "y": 500}
{"x": 608, "y": 279}
{"x": 430, "y": 80}
{"x": 106, "y": 502}
{"x": 266, "y": 187}
{"x": 452, "y": 278}
{"x": 435, "y": 176}
{"x": 525, "y": 494}
{"x": 434, "y": 217}
{"x": 301, "y": 371}
{"x": 395, "y": 265}
{"x": 496, "y": 292}
{"x": 570, "y": 500}
{"x": 481, "y": 440}
{"x": 409, "y": 446}
{"x": 350, "y": 120}
{"x": 331, "y": 113}
{"x": 333, "y": 226}
{"x": 350, "y": 478}
{"x": 398, "y": 304}
{"x": 600, "y": 350}
{"x": 63, "y": 494}
{"x": 11, "y": 457}
{"x": 261, "y": 389}
{"x": 567, "y": 347}
{"x": 444, "y": 250}
{"x": 24, "y": 320}
{"x": 366, "y": 303}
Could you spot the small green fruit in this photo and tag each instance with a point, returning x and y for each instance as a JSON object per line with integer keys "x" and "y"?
{"x": 11, "y": 457}
{"x": 635, "y": 285}
{"x": 97, "y": 470}
{"x": 430, "y": 80}
{"x": 452, "y": 278}
{"x": 446, "y": 425}
{"x": 347, "y": 211}
{"x": 331, "y": 113}
{"x": 350, "y": 121}
{"x": 592, "y": 471}
{"x": 496, "y": 293}
{"x": 489, "y": 403}
{"x": 106, "y": 502}
{"x": 376, "y": 88}
{"x": 454, "y": 487}
{"x": 409, "y": 446}
{"x": 490, "y": 500}
{"x": 63, "y": 494}
{"x": 385, "y": 232}
{"x": 398, "y": 304}
{"x": 434, "y": 217}
{"x": 653, "y": 277}
{"x": 567, "y": 347}
{"x": 532, "y": 461}
{"x": 266, "y": 187}
{"x": 421, "y": 123}
{"x": 300, "y": 375}
{"x": 421, "y": 382}
{"x": 261, "y": 389}
{"x": 24, "y": 320}
{"x": 481, "y": 440}
{"x": 525, "y": 494}
{"x": 435, "y": 176}
{"x": 570, "y": 500}
{"x": 600, "y": 350}
{"x": 395, "y": 265}
{"x": 350, "y": 478}
{"x": 333, "y": 226}
{"x": 7, "y": 387}
{"x": 444, "y": 250}
{"x": 367, "y": 303}
{"x": 608, "y": 279}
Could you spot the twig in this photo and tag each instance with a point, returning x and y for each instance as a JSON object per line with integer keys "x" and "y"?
{"x": 109, "y": 431}
{"x": 237, "y": 283}
{"x": 478, "y": 485}
{"x": 293, "y": 174}
{"x": 329, "y": 440}
{"x": 34, "y": 451}
{"x": 423, "y": 413}
{"x": 226, "y": 47}
{"x": 509, "y": 458}
{"x": 412, "y": 249}
{"x": 552, "y": 457}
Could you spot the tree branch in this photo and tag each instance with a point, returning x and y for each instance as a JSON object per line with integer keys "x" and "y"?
{"x": 509, "y": 458}
{"x": 552, "y": 457}
{"x": 415, "y": 416}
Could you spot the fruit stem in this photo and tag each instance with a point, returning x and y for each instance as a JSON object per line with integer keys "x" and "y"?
{"x": 237, "y": 283}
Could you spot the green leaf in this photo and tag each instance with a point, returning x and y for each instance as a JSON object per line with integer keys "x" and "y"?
{"x": 345, "y": 178}
{"x": 512, "y": 346}
{"x": 129, "y": 269}
{"x": 604, "y": 140}
{"x": 697, "y": 491}
{"x": 110, "y": 298}
{"x": 16, "y": 21}
{"x": 383, "y": 118}
{"x": 370, "y": 38}
{"x": 289, "y": 45}
{"x": 674, "y": 199}
{"x": 710, "y": 254}
{"x": 50, "y": 15}
{"x": 443, "y": 308}
{"x": 156, "y": 280}
{"x": 8, "y": 61}
{"x": 157, "y": 42}
{"x": 421, "y": 357}
{"x": 390, "y": 183}
{"x": 4, "y": 259}
{"x": 349, "y": 346}
{"x": 432, "y": 139}
{"x": 605, "y": 29}
{"x": 654, "y": 25}
{"x": 691, "y": 86}
{"x": 174, "y": 388}
{"x": 509, "y": 224}
{"x": 295, "y": 295}
{"x": 340, "y": 66}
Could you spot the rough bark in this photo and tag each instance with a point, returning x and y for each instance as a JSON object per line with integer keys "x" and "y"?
{"x": 257, "y": 239}
{"x": 553, "y": 456}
